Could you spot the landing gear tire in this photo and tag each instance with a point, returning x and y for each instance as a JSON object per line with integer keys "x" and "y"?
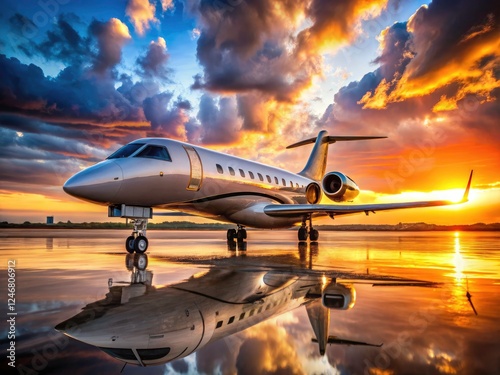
{"x": 231, "y": 234}
{"x": 129, "y": 244}
{"x": 302, "y": 234}
{"x": 129, "y": 262}
{"x": 141, "y": 261}
{"x": 242, "y": 235}
{"x": 141, "y": 245}
{"x": 242, "y": 246}
{"x": 313, "y": 235}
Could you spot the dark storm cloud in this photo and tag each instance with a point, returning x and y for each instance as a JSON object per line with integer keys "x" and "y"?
{"x": 111, "y": 36}
{"x": 63, "y": 43}
{"x": 208, "y": 358}
{"x": 180, "y": 366}
{"x": 219, "y": 119}
{"x": 167, "y": 116}
{"x": 154, "y": 62}
{"x": 237, "y": 60}
{"x": 406, "y": 86}
{"x": 94, "y": 135}
{"x": 439, "y": 33}
{"x": 73, "y": 93}
{"x": 89, "y": 87}
{"x": 256, "y": 50}
{"x": 455, "y": 53}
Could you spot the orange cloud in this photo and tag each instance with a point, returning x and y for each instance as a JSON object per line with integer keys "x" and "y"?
{"x": 142, "y": 14}
{"x": 464, "y": 67}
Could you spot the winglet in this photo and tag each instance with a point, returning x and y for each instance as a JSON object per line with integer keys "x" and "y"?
{"x": 465, "y": 198}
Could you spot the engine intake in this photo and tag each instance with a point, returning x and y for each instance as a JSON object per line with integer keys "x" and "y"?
{"x": 339, "y": 296}
{"x": 339, "y": 187}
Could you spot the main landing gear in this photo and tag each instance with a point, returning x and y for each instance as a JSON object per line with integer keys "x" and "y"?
{"x": 239, "y": 235}
{"x": 137, "y": 241}
{"x": 303, "y": 233}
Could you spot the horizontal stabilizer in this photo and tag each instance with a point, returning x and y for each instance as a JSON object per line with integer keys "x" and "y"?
{"x": 335, "y": 138}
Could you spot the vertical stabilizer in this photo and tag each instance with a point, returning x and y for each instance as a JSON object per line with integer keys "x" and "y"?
{"x": 319, "y": 316}
{"x": 316, "y": 165}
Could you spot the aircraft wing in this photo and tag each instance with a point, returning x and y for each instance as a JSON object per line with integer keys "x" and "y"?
{"x": 287, "y": 210}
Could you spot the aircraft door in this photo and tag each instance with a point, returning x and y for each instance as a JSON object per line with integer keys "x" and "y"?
{"x": 196, "y": 175}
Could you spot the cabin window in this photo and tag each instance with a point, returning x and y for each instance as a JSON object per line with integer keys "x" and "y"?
{"x": 219, "y": 168}
{"x": 260, "y": 177}
{"x": 251, "y": 175}
{"x": 268, "y": 178}
{"x": 260, "y": 309}
{"x": 242, "y": 173}
{"x": 268, "y": 307}
{"x": 291, "y": 184}
{"x": 276, "y": 180}
{"x": 154, "y": 152}
{"x": 231, "y": 171}
{"x": 152, "y": 354}
{"x": 219, "y": 324}
{"x": 296, "y": 184}
{"x": 251, "y": 312}
{"x": 283, "y": 182}
{"x": 242, "y": 316}
{"x": 126, "y": 151}
{"x": 231, "y": 319}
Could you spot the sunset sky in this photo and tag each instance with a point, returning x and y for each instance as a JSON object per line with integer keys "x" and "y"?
{"x": 78, "y": 79}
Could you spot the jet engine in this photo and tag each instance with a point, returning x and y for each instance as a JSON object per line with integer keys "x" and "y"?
{"x": 313, "y": 193}
{"x": 339, "y": 187}
{"x": 339, "y": 296}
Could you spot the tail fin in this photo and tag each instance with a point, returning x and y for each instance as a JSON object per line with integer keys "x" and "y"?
{"x": 316, "y": 165}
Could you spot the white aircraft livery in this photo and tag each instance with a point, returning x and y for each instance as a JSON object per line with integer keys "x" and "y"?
{"x": 167, "y": 174}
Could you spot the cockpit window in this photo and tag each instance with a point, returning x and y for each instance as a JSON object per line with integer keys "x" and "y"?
{"x": 126, "y": 151}
{"x": 154, "y": 152}
{"x": 152, "y": 354}
{"x": 126, "y": 354}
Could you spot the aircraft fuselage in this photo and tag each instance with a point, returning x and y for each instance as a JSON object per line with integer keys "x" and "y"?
{"x": 197, "y": 181}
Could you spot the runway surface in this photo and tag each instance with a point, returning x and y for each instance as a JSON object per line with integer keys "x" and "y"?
{"x": 428, "y": 327}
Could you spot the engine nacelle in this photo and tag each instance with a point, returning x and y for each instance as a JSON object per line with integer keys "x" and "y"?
{"x": 339, "y": 187}
{"x": 339, "y": 296}
{"x": 313, "y": 193}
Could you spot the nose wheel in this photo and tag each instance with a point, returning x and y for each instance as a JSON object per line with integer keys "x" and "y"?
{"x": 137, "y": 241}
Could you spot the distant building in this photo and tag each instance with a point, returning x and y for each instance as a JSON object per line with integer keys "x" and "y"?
{"x": 50, "y": 220}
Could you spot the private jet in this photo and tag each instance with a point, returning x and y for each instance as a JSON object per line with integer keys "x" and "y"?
{"x": 144, "y": 325}
{"x": 171, "y": 175}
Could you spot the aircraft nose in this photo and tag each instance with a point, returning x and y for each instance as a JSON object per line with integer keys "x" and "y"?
{"x": 98, "y": 183}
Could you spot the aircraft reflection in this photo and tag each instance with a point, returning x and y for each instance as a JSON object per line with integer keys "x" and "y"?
{"x": 141, "y": 324}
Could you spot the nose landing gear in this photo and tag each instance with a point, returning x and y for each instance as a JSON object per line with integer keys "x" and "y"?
{"x": 137, "y": 241}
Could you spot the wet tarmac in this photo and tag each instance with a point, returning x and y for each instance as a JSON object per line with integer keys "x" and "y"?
{"x": 194, "y": 304}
